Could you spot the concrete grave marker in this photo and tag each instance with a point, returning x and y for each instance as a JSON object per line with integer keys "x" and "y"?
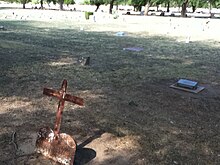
{"x": 135, "y": 49}
{"x": 187, "y": 85}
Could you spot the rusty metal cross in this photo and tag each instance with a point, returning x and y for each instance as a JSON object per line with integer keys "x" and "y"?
{"x": 62, "y": 96}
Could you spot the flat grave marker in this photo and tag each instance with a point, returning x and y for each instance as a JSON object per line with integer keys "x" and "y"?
{"x": 187, "y": 85}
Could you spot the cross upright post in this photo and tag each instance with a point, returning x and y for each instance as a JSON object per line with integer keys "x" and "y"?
{"x": 62, "y": 96}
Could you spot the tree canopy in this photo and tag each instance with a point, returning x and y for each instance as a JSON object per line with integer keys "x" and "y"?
{"x": 138, "y": 4}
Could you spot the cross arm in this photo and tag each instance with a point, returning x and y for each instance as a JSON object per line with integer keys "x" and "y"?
{"x": 67, "y": 97}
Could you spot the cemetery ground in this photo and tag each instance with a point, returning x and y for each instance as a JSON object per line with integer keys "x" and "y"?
{"x": 130, "y": 116}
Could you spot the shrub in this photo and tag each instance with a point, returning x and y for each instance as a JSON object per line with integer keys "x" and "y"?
{"x": 87, "y": 14}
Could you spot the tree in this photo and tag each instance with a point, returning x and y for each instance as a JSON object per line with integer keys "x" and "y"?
{"x": 111, "y": 6}
{"x": 184, "y": 6}
{"x": 203, "y": 3}
{"x": 101, "y": 2}
{"x": 148, "y": 4}
{"x": 166, "y": 3}
{"x": 181, "y": 4}
{"x": 42, "y": 2}
{"x": 211, "y": 3}
{"x": 194, "y": 4}
{"x": 98, "y": 3}
{"x": 177, "y": 3}
{"x": 217, "y": 4}
{"x": 23, "y": 2}
{"x": 49, "y": 1}
{"x": 168, "y": 6}
{"x": 69, "y": 2}
{"x": 158, "y": 3}
{"x": 137, "y": 4}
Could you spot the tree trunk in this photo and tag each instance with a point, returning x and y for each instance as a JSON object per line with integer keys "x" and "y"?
{"x": 139, "y": 8}
{"x": 193, "y": 8}
{"x": 111, "y": 6}
{"x": 147, "y": 6}
{"x": 23, "y": 4}
{"x": 61, "y": 4}
{"x": 97, "y": 7}
{"x": 41, "y": 4}
{"x": 157, "y": 7}
{"x": 184, "y": 6}
{"x": 168, "y": 7}
{"x": 135, "y": 8}
{"x": 210, "y": 9}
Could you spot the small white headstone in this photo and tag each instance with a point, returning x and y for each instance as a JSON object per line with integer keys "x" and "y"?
{"x": 187, "y": 39}
{"x": 2, "y": 28}
{"x": 120, "y": 34}
{"x": 94, "y": 18}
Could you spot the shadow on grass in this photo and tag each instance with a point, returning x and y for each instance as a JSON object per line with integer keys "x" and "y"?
{"x": 167, "y": 126}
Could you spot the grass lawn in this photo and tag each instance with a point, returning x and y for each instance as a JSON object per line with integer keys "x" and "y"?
{"x": 130, "y": 112}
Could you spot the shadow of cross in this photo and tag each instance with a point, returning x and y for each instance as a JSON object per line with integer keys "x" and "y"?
{"x": 62, "y": 96}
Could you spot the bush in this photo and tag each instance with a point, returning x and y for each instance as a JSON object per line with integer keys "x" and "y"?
{"x": 87, "y": 14}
